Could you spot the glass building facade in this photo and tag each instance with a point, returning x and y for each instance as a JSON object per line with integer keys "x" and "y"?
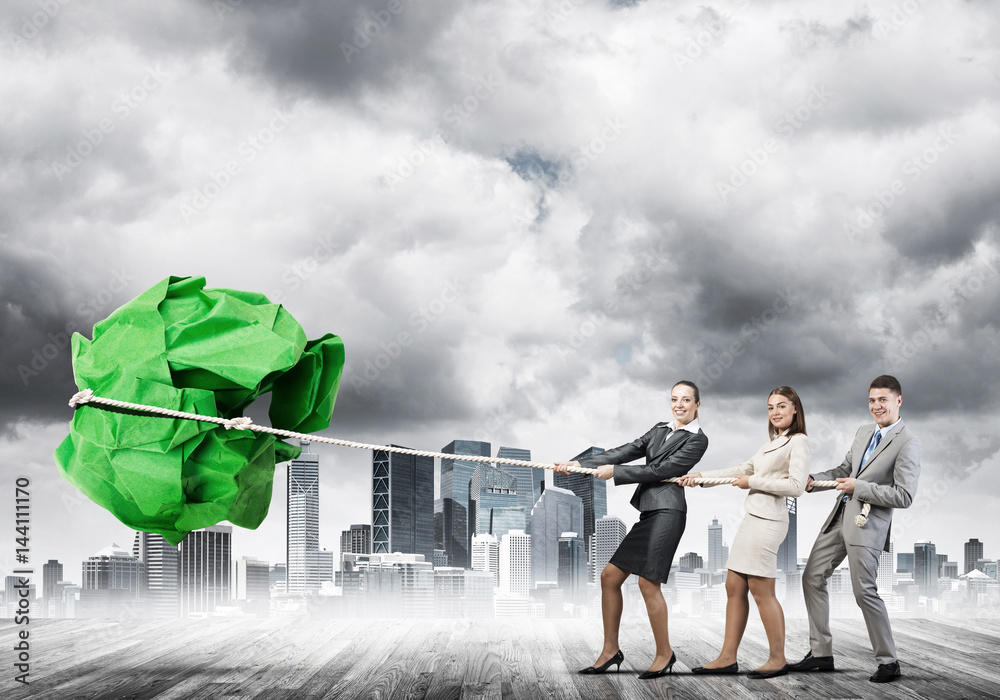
{"x": 402, "y": 504}
{"x": 451, "y": 510}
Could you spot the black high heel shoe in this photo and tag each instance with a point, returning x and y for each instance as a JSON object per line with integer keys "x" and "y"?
{"x": 669, "y": 668}
{"x": 616, "y": 659}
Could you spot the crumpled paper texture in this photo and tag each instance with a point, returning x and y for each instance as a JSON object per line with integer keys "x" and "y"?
{"x": 208, "y": 351}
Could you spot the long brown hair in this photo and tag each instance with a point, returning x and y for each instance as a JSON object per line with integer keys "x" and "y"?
{"x": 798, "y": 420}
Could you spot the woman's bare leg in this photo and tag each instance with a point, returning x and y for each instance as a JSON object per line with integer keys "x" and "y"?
{"x": 612, "y": 603}
{"x": 656, "y": 608}
{"x": 737, "y": 612}
{"x": 774, "y": 621}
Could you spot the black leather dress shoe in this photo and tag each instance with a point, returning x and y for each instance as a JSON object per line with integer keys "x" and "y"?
{"x": 614, "y": 660}
{"x": 813, "y": 663}
{"x": 886, "y": 673}
{"x": 720, "y": 671}
{"x": 758, "y": 675}
{"x": 669, "y": 668}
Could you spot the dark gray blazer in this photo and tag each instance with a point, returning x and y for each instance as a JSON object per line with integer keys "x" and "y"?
{"x": 665, "y": 458}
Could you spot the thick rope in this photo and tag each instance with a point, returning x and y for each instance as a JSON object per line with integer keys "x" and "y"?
{"x": 246, "y": 423}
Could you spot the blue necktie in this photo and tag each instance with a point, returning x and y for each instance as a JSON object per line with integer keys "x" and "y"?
{"x": 877, "y": 438}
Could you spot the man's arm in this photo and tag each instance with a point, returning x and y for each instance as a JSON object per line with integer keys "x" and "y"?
{"x": 905, "y": 474}
{"x": 677, "y": 464}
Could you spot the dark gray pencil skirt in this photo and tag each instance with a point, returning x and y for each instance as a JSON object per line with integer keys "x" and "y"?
{"x": 649, "y": 547}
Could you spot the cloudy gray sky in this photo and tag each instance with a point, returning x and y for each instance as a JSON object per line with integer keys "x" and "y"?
{"x": 567, "y": 206}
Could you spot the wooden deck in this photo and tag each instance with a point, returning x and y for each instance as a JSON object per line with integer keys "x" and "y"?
{"x": 296, "y": 659}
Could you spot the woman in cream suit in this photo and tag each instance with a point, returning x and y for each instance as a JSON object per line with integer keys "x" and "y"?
{"x": 778, "y": 469}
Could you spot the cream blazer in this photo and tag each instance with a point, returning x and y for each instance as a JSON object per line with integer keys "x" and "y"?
{"x": 778, "y": 469}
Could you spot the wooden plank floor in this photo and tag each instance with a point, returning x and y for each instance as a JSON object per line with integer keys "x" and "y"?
{"x": 300, "y": 659}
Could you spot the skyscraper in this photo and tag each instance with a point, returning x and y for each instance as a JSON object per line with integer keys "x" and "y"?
{"x": 250, "y": 582}
{"x": 925, "y": 568}
{"x": 557, "y": 511}
{"x": 356, "y": 540}
{"x": 112, "y": 584}
{"x": 493, "y": 490}
{"x": 609, "y": 532}
{"x": 451, "y": 511}
{"x": 904, "y": 562}
{"x": 307, "y": 565}
{"x": 486, "y": 555}
{"x": 52, "y": 573}
{"x": 885, "y": 578}
{"x": 593, "y": 492}
{"x": 716, "y": 558}
{"x": 529, "y": 479}
{"x": 515, "y": 563}
{"x": 161, "y": 580}
{"x": 691, "y": 561}
{"x": 402, "y": 503}
{"x": 973, "y": 553}
{"x": 788, "y": 550}
{"x": 204, "y": 569}
{"x": 572, "y": 570}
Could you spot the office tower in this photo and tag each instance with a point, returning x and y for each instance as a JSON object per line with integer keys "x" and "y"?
{"x": 515, "y": 563}
{"x": 204, "y": 570}
{"x": 112, "y": 584}
{"x": 788, "y": 550}
{"x": 13, "y": 596}
{"x": 885, "y": 578}
{"x": 609, "y": 532}
{"x": 904, "y": 563}
{"x": 357, "y": 540}
{"x": 161, "y": 579}
{"x": 529, "y": 479}
{"x": 973, "y": 553}
{"x": 276, "y": 577}
{"x": 250, "y": 582}
{"x": 716, "y": 559}
{"x": 307, "y": 565}
{"x": 593, "y": 492}
{"x": 493, "y": 492}
{"x": 691, "y": 561}
{"x": 52, "y": 573}
{"x": 925, "y": 568}
{"x": 451, "y": 511}
{"x": 571, "y": 574}
{"x": 486, "y": 555}
{"x": 557, "y": 511}
{"x": 440, "y": 558}
{"x": 950, "y": 570}
{"x": 402, "y": 503}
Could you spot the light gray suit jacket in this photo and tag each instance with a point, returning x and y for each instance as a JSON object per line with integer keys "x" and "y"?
{"x": 668, "y": 454}
{"x": 887, "y": 481}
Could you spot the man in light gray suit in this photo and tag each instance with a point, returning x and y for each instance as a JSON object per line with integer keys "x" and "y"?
{"x": 881, "y": 468}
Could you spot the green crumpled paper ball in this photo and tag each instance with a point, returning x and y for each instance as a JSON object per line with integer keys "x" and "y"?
{"x": 207, "y": 351}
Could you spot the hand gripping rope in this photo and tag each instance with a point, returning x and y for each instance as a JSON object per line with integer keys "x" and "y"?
{"x": 246, "y": 423}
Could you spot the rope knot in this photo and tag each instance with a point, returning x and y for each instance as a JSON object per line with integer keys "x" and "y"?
{"x": 862, "y": 518}
{"x": 240, "y": 423}
{"x": 81, "y": 397}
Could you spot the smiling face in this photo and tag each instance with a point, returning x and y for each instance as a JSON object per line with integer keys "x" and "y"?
{"x": 884, "y": 406}
{"x": 683, "y": 405}
{"x": 780, "y": 411}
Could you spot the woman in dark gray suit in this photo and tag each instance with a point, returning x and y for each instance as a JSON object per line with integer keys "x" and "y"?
{"x": 670, "y": 449}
